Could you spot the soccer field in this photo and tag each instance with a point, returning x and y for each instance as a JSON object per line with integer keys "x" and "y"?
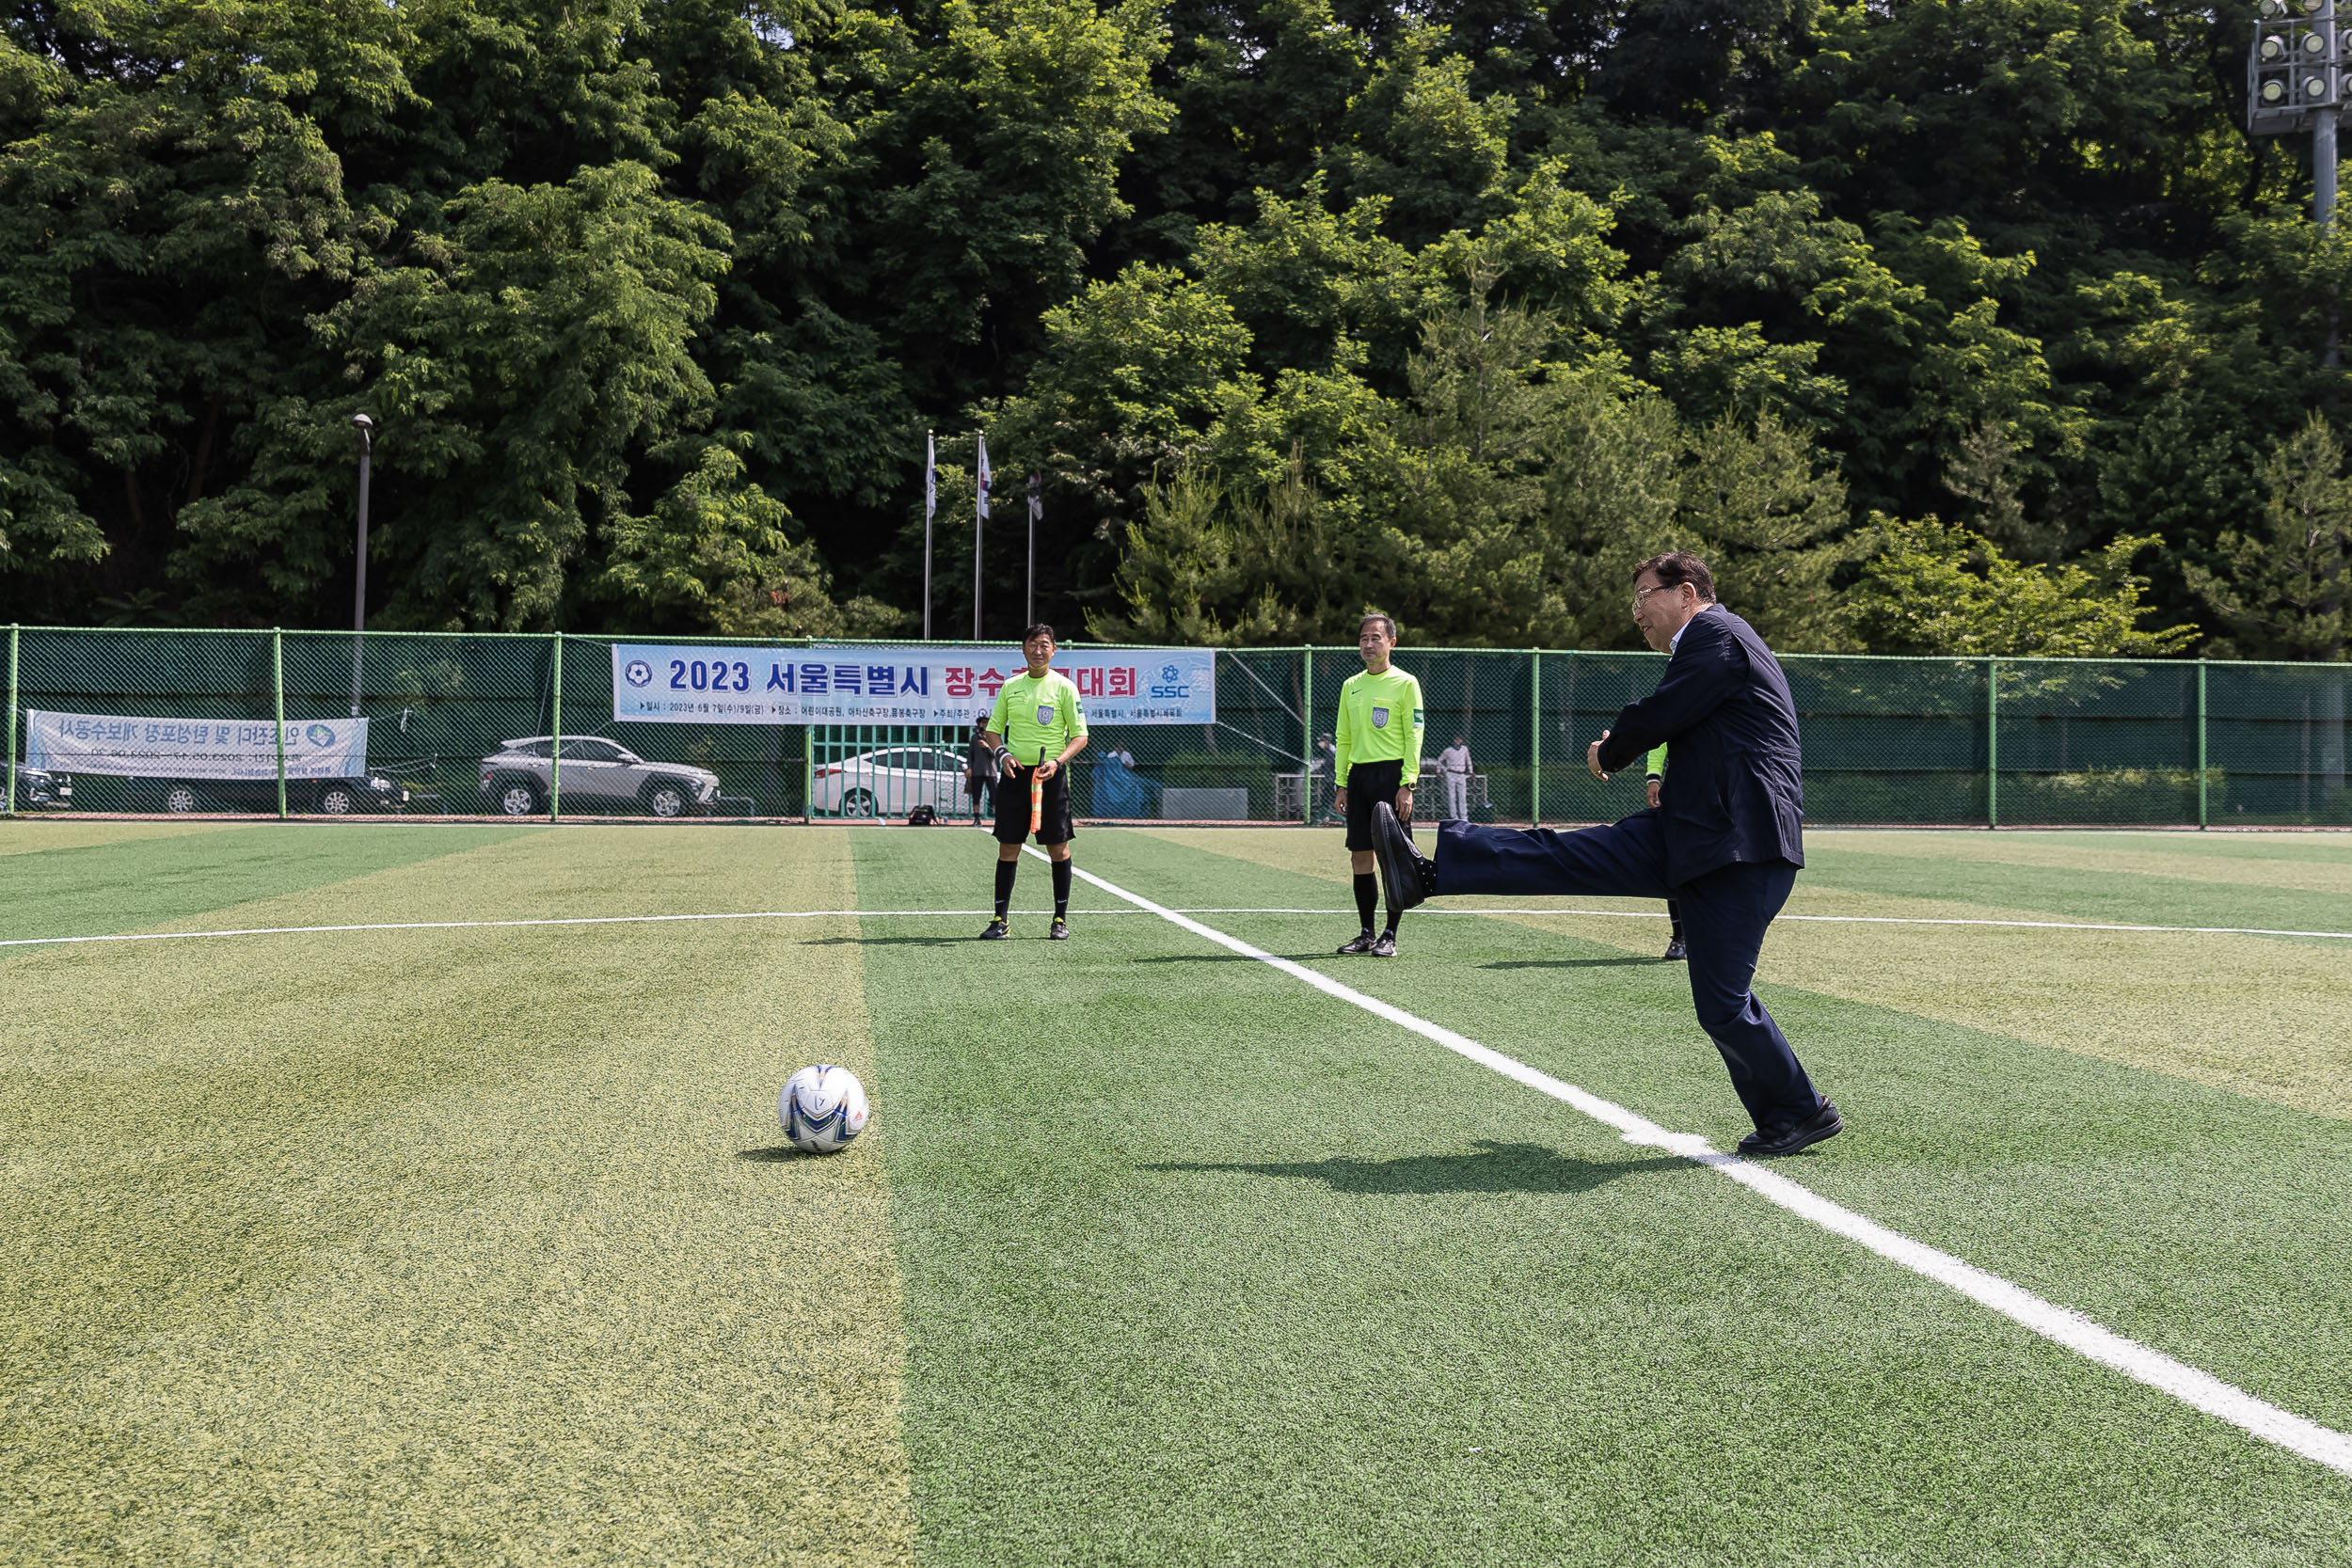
{"x": 423, "y": 1201}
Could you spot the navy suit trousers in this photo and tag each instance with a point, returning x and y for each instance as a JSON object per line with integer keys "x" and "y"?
{"x": 1724, "y": 914}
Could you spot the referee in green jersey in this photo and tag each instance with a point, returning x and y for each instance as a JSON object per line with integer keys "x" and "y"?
{"x": 1037, "y": 726}
{"x": 1653, "y": 787}
{"x": 1379, "y": 758}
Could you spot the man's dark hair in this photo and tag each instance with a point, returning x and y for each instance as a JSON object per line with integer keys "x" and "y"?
{"x": 1041, "y": 629}
{"x": 1381, "y": 616}
{"x": 1676, "y": 567}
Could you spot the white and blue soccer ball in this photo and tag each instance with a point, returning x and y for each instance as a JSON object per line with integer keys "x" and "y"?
{"x": 822, "y": 1109}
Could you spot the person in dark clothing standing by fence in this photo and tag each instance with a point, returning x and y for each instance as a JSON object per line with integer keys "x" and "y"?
{"x": 979, "y": 768}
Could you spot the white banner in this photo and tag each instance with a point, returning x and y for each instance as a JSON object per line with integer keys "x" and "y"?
{"x": 194, "y": 747}
{"x": 654, "y": 683}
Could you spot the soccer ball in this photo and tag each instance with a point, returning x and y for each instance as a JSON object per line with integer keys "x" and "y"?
{"x": 822, "y": 1108}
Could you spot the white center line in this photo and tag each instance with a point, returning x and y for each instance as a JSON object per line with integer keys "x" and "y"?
{"x": 2062, "y": 1325}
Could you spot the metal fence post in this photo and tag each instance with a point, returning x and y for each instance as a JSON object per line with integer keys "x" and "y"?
{"x": 555, "y": 741}
{"x": 1992, "y": 742}
{"x": 1306, "y": 738}
{"x": 1535, "y": 737}
{"x": 2202, "y": 803}
{"x": 7, "y": 806}
{"x": 278, "y": 689}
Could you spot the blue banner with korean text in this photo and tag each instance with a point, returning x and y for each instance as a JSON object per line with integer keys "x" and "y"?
{"x": 658, "y": 683}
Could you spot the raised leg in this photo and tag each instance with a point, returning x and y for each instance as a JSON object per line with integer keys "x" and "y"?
{"x": 1623, "y": 859}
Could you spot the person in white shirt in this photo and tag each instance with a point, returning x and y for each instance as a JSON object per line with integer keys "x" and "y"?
{"x": 1453, "y": 771}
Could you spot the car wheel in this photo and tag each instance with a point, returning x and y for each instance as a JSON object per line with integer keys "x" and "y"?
{"x": 858, "y": 802}
{"x": 179, "y": 799}
{"x": 666, "y": 798}
{"x": 518, "y": 798}
{"x": 338, "y": 800}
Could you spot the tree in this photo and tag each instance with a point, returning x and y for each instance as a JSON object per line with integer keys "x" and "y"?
{"x": 2280, "y": 590}
{"x": 1930, "y": 587}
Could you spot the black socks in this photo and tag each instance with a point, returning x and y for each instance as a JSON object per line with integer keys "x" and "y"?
{"x": 1005, "y": 873}
{"x": 1367, "y": 895}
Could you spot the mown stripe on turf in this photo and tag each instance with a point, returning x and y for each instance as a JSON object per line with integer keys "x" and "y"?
{"x": 2141, "y": 1363}
{"x": 39, "y": 835}
{"x": 125, "y": 886}
{"x": 483, "y": 1251}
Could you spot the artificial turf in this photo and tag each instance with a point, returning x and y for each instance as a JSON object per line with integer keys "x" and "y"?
{"x": 477, "y": 1246}
{"x": 1272, "y": 1277}
{"x": 465, "y": 1247}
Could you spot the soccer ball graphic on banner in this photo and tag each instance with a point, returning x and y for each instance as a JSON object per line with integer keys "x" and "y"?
{"x": 822, "y": 1108}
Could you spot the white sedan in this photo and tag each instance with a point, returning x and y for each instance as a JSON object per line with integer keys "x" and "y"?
{"x": 890, "y": 783}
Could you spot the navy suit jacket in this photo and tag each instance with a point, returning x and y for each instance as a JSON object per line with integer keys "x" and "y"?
{"x": 1734, "y": 789}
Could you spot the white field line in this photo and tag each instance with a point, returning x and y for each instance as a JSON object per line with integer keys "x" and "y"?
{"x": 969, "y": 914}
{"x": 2200, "y": 1390}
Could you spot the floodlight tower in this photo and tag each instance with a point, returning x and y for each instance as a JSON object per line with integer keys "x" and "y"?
{"x": 2294, "y": 81}
{"x": 2296, "y": 78}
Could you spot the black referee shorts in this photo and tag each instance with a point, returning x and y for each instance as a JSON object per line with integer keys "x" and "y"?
{"x": 1368, "y": 784}
{"x": 1053, "y": 824}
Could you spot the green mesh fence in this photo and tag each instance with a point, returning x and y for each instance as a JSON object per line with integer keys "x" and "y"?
{"x": 481, "y": 724}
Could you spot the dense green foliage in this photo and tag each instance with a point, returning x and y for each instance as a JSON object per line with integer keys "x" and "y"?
{"x": 1297, "y": 305}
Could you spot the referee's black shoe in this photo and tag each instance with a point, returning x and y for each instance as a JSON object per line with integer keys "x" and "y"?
{"x": 998, "y": 931}
{"x": 1360, "y": 946}
{"x": 1058, "y": 931}
{"x": 1408, "y": 876}
{"x": 1823, "y": 1123}
{"x": 1676, "y": 952}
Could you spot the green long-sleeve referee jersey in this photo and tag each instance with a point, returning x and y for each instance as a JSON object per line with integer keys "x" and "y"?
{"x": 1380, "y": 720}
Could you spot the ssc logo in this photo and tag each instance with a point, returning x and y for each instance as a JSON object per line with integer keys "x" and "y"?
{"x": 638, "y": 673}
{"x": 320, "y": 735}
{"x": 1168, "y": 672}
{"x": 1379, "y": 718}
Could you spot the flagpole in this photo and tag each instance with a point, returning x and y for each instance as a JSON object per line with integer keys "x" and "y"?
{"x": 979, "y": 519}
{"x": 1036, "y": 507}
{"x": 930, "y": 505}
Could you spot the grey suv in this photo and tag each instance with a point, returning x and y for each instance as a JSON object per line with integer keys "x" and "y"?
{"x": 515, "y": 778}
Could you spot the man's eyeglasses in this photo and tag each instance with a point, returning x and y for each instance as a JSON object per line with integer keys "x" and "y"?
{"x": 1640, "y": 594}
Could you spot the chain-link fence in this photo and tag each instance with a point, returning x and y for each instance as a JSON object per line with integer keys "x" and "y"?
{"x": 468, "y": 724}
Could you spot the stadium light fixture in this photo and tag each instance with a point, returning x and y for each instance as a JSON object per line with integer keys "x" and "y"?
{"x": 2296, "y": 80}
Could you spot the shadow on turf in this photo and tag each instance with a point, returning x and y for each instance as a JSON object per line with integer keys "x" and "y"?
{"x": 888, "y": 942}
{"x": 1571, "y": 963}
{"x": 776, "y": 1155}
{"x": 1495, "y": 1169}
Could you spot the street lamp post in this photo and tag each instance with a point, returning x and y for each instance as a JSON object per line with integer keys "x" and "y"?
{"x": 366, "y": 427}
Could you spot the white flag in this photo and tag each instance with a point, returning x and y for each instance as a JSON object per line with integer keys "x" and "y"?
{"x": 984, "y": 478}
{"x": 931, "y": 475}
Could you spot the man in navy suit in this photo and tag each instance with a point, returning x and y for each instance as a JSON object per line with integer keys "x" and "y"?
{"x": 1724, "y": 841}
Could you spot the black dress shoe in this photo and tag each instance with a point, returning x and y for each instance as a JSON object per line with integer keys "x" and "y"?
{"x": 1676, "y": 952}
{"x": 1406, "y": 876}
{"x": 1823, "y": 1123}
